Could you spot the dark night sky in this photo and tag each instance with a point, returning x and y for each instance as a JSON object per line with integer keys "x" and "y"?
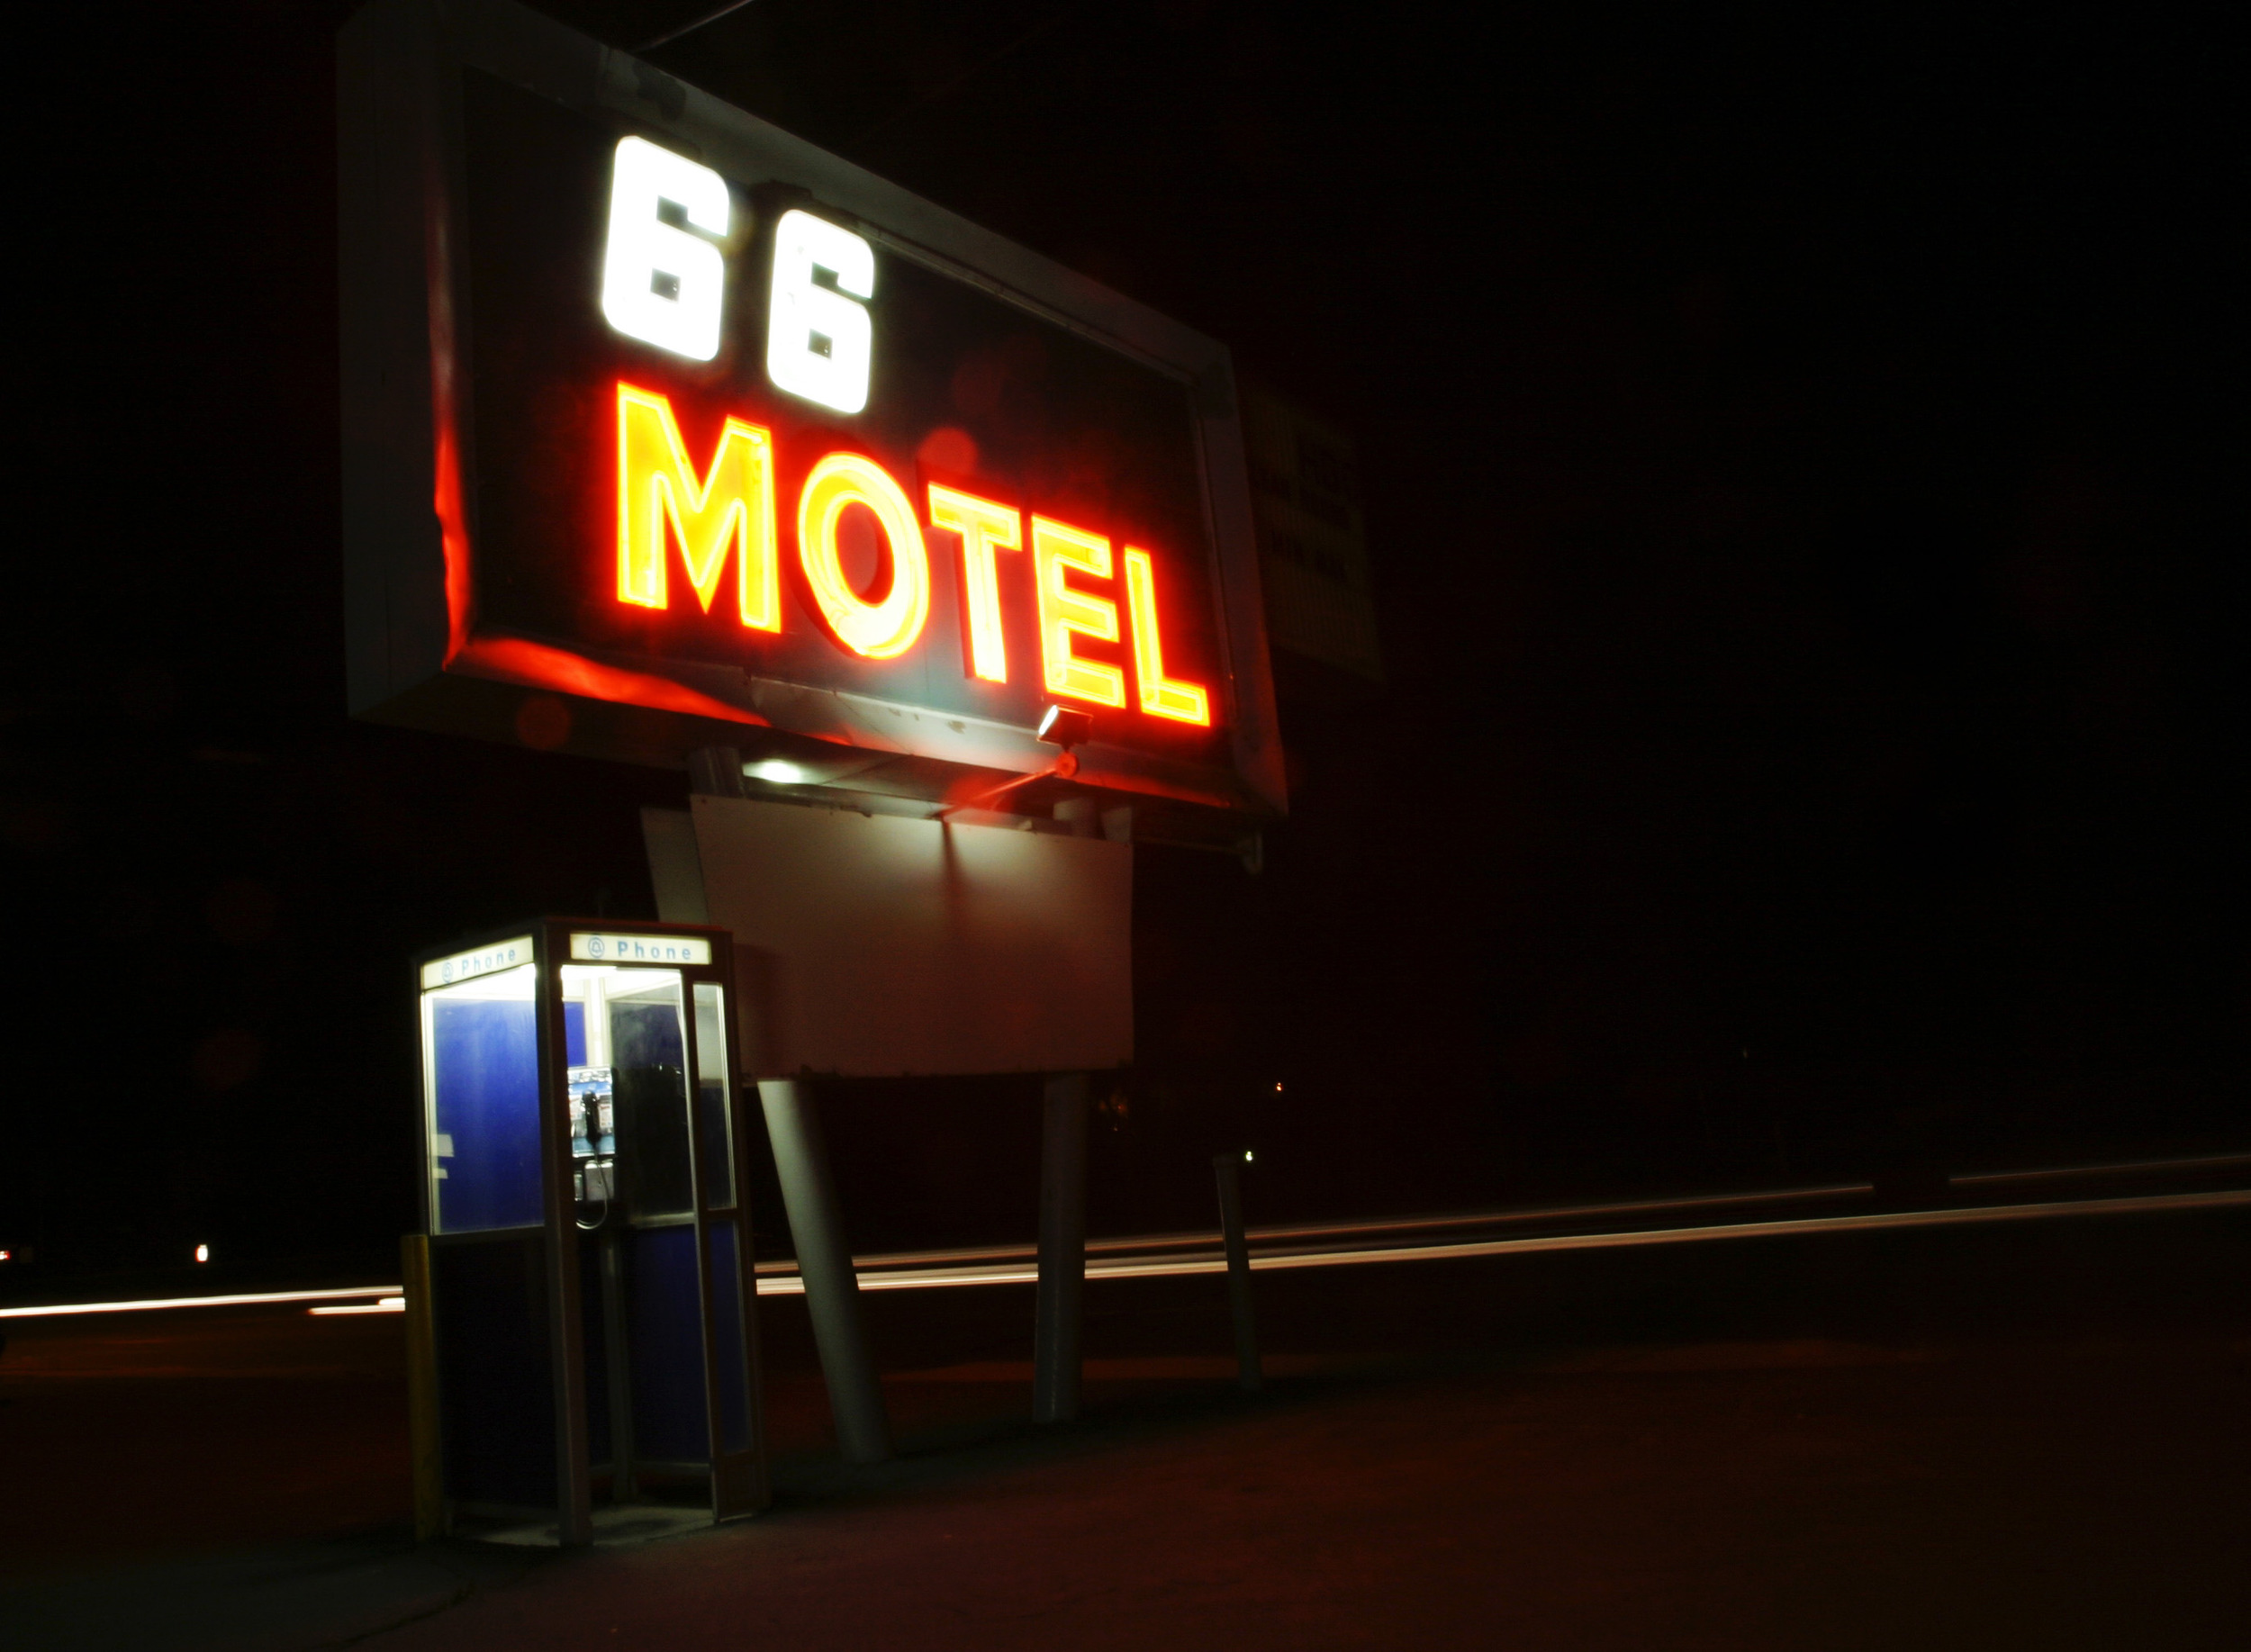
{"x": 1805, "y": 467}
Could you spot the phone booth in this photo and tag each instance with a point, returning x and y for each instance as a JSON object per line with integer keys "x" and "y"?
{"x": 591, "y": 1300}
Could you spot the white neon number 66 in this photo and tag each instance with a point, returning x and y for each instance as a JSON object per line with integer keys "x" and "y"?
{"x": 818, "y": 341}
{"x": 659, "y": 283}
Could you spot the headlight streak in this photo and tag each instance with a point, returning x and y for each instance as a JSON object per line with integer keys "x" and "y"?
{"x": 1212, "y": 1262}
{"x": 1164, "y": 1264}
{"x": 236, "y": 1300}
{"x": 382, "y": 1304}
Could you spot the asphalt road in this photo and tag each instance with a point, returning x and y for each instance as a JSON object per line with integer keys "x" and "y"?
{"x": 2034, "y": 1436}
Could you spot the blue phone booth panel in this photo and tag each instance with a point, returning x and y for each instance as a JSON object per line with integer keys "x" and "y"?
{"x": 484, "y": 1070}
{"x": 666, "y": 1341}
{"x": 494, "y": 1377}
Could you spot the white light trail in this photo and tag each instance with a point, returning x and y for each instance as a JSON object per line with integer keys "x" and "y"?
{"x": 2217, "y": 1161}
{"x": 1154, "y": 1266}
{"x": 239, "y": 1299}
{"x": 1268, "y": 1236}
{"x": 884, "y": 1274}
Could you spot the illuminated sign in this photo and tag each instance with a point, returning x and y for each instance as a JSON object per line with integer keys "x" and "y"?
{"x": 484, "y": 960}
{"x": 713, "y": 438}
{"x": 607, "y": 948}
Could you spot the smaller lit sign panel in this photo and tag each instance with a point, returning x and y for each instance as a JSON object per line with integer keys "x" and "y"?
{"x": 726, "y": 441}
{"x": 492, "y": 960}
{"x": 589, "y": 947}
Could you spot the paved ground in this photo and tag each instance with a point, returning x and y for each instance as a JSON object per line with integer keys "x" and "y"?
{"x": 2000, "y": 1440}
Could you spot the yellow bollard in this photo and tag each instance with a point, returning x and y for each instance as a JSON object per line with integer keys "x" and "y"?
{"x": 421, "y": 1391}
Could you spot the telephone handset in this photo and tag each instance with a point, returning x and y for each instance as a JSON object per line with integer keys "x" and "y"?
{"x": 594, "y": 1138}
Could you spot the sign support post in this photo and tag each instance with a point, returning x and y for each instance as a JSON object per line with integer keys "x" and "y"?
{"x": 1228, "y": 1168}
{"x": 824, "y": 1262}
{"x": 1062, "y": 1260}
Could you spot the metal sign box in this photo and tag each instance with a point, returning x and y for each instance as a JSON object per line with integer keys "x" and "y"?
{"x": 665, "y": 430}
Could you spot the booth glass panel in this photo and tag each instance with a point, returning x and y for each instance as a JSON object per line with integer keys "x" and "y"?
{"x": 714, "y": 1132}
{"x": 664, "y": 1338}
{"x": 626, "y": 1045}
{"x": 729, "y": 1346}
{"x": 481, "y": 1088}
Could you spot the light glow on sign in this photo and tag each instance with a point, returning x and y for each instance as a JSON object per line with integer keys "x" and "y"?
{"x": 820, "y": 343}
{"x": 611, "y": 948}
{"x": 880, "y": 631}
{"x": 1057, "y": 548}
{"x": 731, "y": 509}
{"x": 1160, "y": 696}
{"x": 484, "y": 961}
{"x": 660, "y": 284}
{"x": 984, "y": 527}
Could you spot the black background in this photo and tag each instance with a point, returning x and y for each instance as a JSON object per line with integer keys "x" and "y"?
{"x": 1804, "y": 464}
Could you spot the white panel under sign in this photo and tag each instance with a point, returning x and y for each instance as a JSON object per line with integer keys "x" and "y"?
{"x": 883, "y": 946}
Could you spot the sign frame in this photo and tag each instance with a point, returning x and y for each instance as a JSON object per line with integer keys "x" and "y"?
{"x": 416, "y": 654}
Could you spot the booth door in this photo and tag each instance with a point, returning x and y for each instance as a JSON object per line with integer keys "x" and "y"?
{"x": 730, "y": 1283}
{"x": 491, "y": 1298}
{"x": 656, "y": 1041}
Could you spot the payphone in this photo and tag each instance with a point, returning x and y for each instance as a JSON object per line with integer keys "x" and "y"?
{"x": 591, "y": 1294}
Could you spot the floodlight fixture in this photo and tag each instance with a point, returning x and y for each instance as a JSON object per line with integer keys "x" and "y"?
{"x": 1065, "y": 727}
{"x": 1060, "y": 726}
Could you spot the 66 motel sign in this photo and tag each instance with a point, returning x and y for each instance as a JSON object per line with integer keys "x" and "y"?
{"x": 666, "y": 285}
{"x": 610, "y": 345}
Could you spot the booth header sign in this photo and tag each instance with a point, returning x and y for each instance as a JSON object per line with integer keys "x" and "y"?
{"x": 589, "y": 947}
{"x": 484, "y": 960}
{"x": 655, "y": 410}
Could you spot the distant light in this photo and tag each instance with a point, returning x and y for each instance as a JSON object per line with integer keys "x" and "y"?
{"x": 1278, "y": 1087}
{"x": 203, "y": 1253}
{"x": 777, "y": 772}
{"x": 1247, "y": 1154}
{"x": 4, "y": 1255}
